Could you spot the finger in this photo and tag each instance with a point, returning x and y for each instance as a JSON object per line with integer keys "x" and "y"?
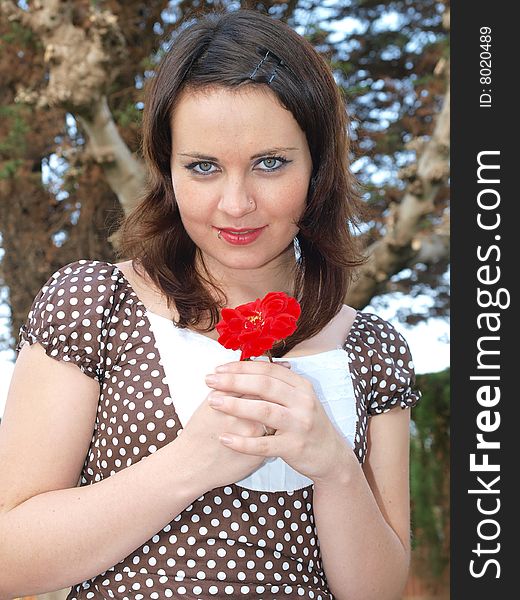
{"x": 249, "y": 384}
{"x": 268, "y": 381}
{"x": 214, "y": 393}
{"x": 272, "y": 369}
{"x": 257, "y": 446}
{"x": 270, "y": 414}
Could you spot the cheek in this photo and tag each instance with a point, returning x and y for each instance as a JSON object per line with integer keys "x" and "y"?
{"x": 294, "y": 199}
{"x": 180, "y": 187}
{"x": 191, "y": 200}
{"x": 192, "y": 213}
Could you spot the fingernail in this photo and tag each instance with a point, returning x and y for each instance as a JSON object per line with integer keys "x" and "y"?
{"x": 221, "y": 368}
{"x": 211, "y": 379}
{"x": 226, "y": 439}
{"x": 215, "y": 401}
{"x": 285, "y": 363}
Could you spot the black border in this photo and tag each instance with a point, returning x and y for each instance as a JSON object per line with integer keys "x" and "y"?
{"x": 475, "y": 129}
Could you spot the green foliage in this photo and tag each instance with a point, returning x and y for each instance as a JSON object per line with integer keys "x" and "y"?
{"x": 9, "y": 168}
{"x": 424, "y": 81}
{"x": 430, "y": 451}
{"x": 128, "y": 115}
{"x": 14, "y": 142}
{"x": 20, "y": 36}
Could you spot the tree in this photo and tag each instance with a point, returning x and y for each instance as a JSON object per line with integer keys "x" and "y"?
{"x": 430, "y": 478}
{"x": 394, "y": 69}
{"x": 71, "y": 108}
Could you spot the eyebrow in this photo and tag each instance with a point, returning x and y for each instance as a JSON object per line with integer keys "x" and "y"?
{"x": 269, "y": 151}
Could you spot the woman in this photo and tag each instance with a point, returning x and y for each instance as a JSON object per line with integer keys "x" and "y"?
{"x": 260, "y": 479}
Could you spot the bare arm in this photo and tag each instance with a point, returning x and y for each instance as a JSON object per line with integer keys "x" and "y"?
{"x": 363, "y": 515}
{"x": 54, "y": 534}
{"x": 51, "y": 532}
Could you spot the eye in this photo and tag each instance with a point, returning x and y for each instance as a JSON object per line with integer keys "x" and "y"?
{"x": 270, "y": 163}
{"x": 204, "y": 168}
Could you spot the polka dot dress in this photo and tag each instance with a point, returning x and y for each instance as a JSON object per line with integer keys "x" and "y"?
{"x": 231, "y": 541}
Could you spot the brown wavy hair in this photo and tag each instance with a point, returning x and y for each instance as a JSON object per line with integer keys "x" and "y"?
{"x": 221, "y": 49}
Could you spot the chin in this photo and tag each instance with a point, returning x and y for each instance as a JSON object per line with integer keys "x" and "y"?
{"x": 243, "y": 263}
{"x": 239, "y": 258}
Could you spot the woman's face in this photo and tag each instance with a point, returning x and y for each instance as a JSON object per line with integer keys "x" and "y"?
{"x": 239, "y": 161}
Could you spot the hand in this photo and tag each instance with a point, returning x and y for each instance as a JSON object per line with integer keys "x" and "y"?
{"x": 305, "y": 437}
{"x": 213, "y": 463}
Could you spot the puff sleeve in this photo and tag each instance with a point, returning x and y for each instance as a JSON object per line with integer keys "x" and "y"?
{"x": 391, "y": 368}
{"x": 67, "y": 316}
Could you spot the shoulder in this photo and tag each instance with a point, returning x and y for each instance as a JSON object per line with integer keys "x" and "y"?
{"x": 76, "y": 289}
{"x": 87, "y": 272}
{"x": 382, "y": 363}
{"x": 69, "y": 311}
{"x": 81, "y": 282}
{"x": 378, "y": 335}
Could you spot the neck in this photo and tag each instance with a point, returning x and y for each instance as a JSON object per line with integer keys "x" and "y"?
{"x": 246, "y": 285}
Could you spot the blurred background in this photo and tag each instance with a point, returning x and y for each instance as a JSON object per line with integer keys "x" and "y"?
{"x": 71, "y": 100}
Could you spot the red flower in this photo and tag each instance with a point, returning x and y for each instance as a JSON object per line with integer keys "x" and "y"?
{"x": 256, "y": 326}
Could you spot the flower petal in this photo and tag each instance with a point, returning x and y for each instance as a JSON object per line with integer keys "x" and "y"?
{"x": 254, "y": 327}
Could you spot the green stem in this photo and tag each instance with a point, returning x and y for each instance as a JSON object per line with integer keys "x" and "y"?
{"x": 269, "y": 355}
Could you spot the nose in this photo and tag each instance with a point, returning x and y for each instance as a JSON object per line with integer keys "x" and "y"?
{"x": 235, "y": 200}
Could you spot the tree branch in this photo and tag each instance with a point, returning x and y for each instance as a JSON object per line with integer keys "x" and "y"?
{"x": 401, "y": 245}
{"x": 82, "y": 62}
{"x": 124, "y": 172}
